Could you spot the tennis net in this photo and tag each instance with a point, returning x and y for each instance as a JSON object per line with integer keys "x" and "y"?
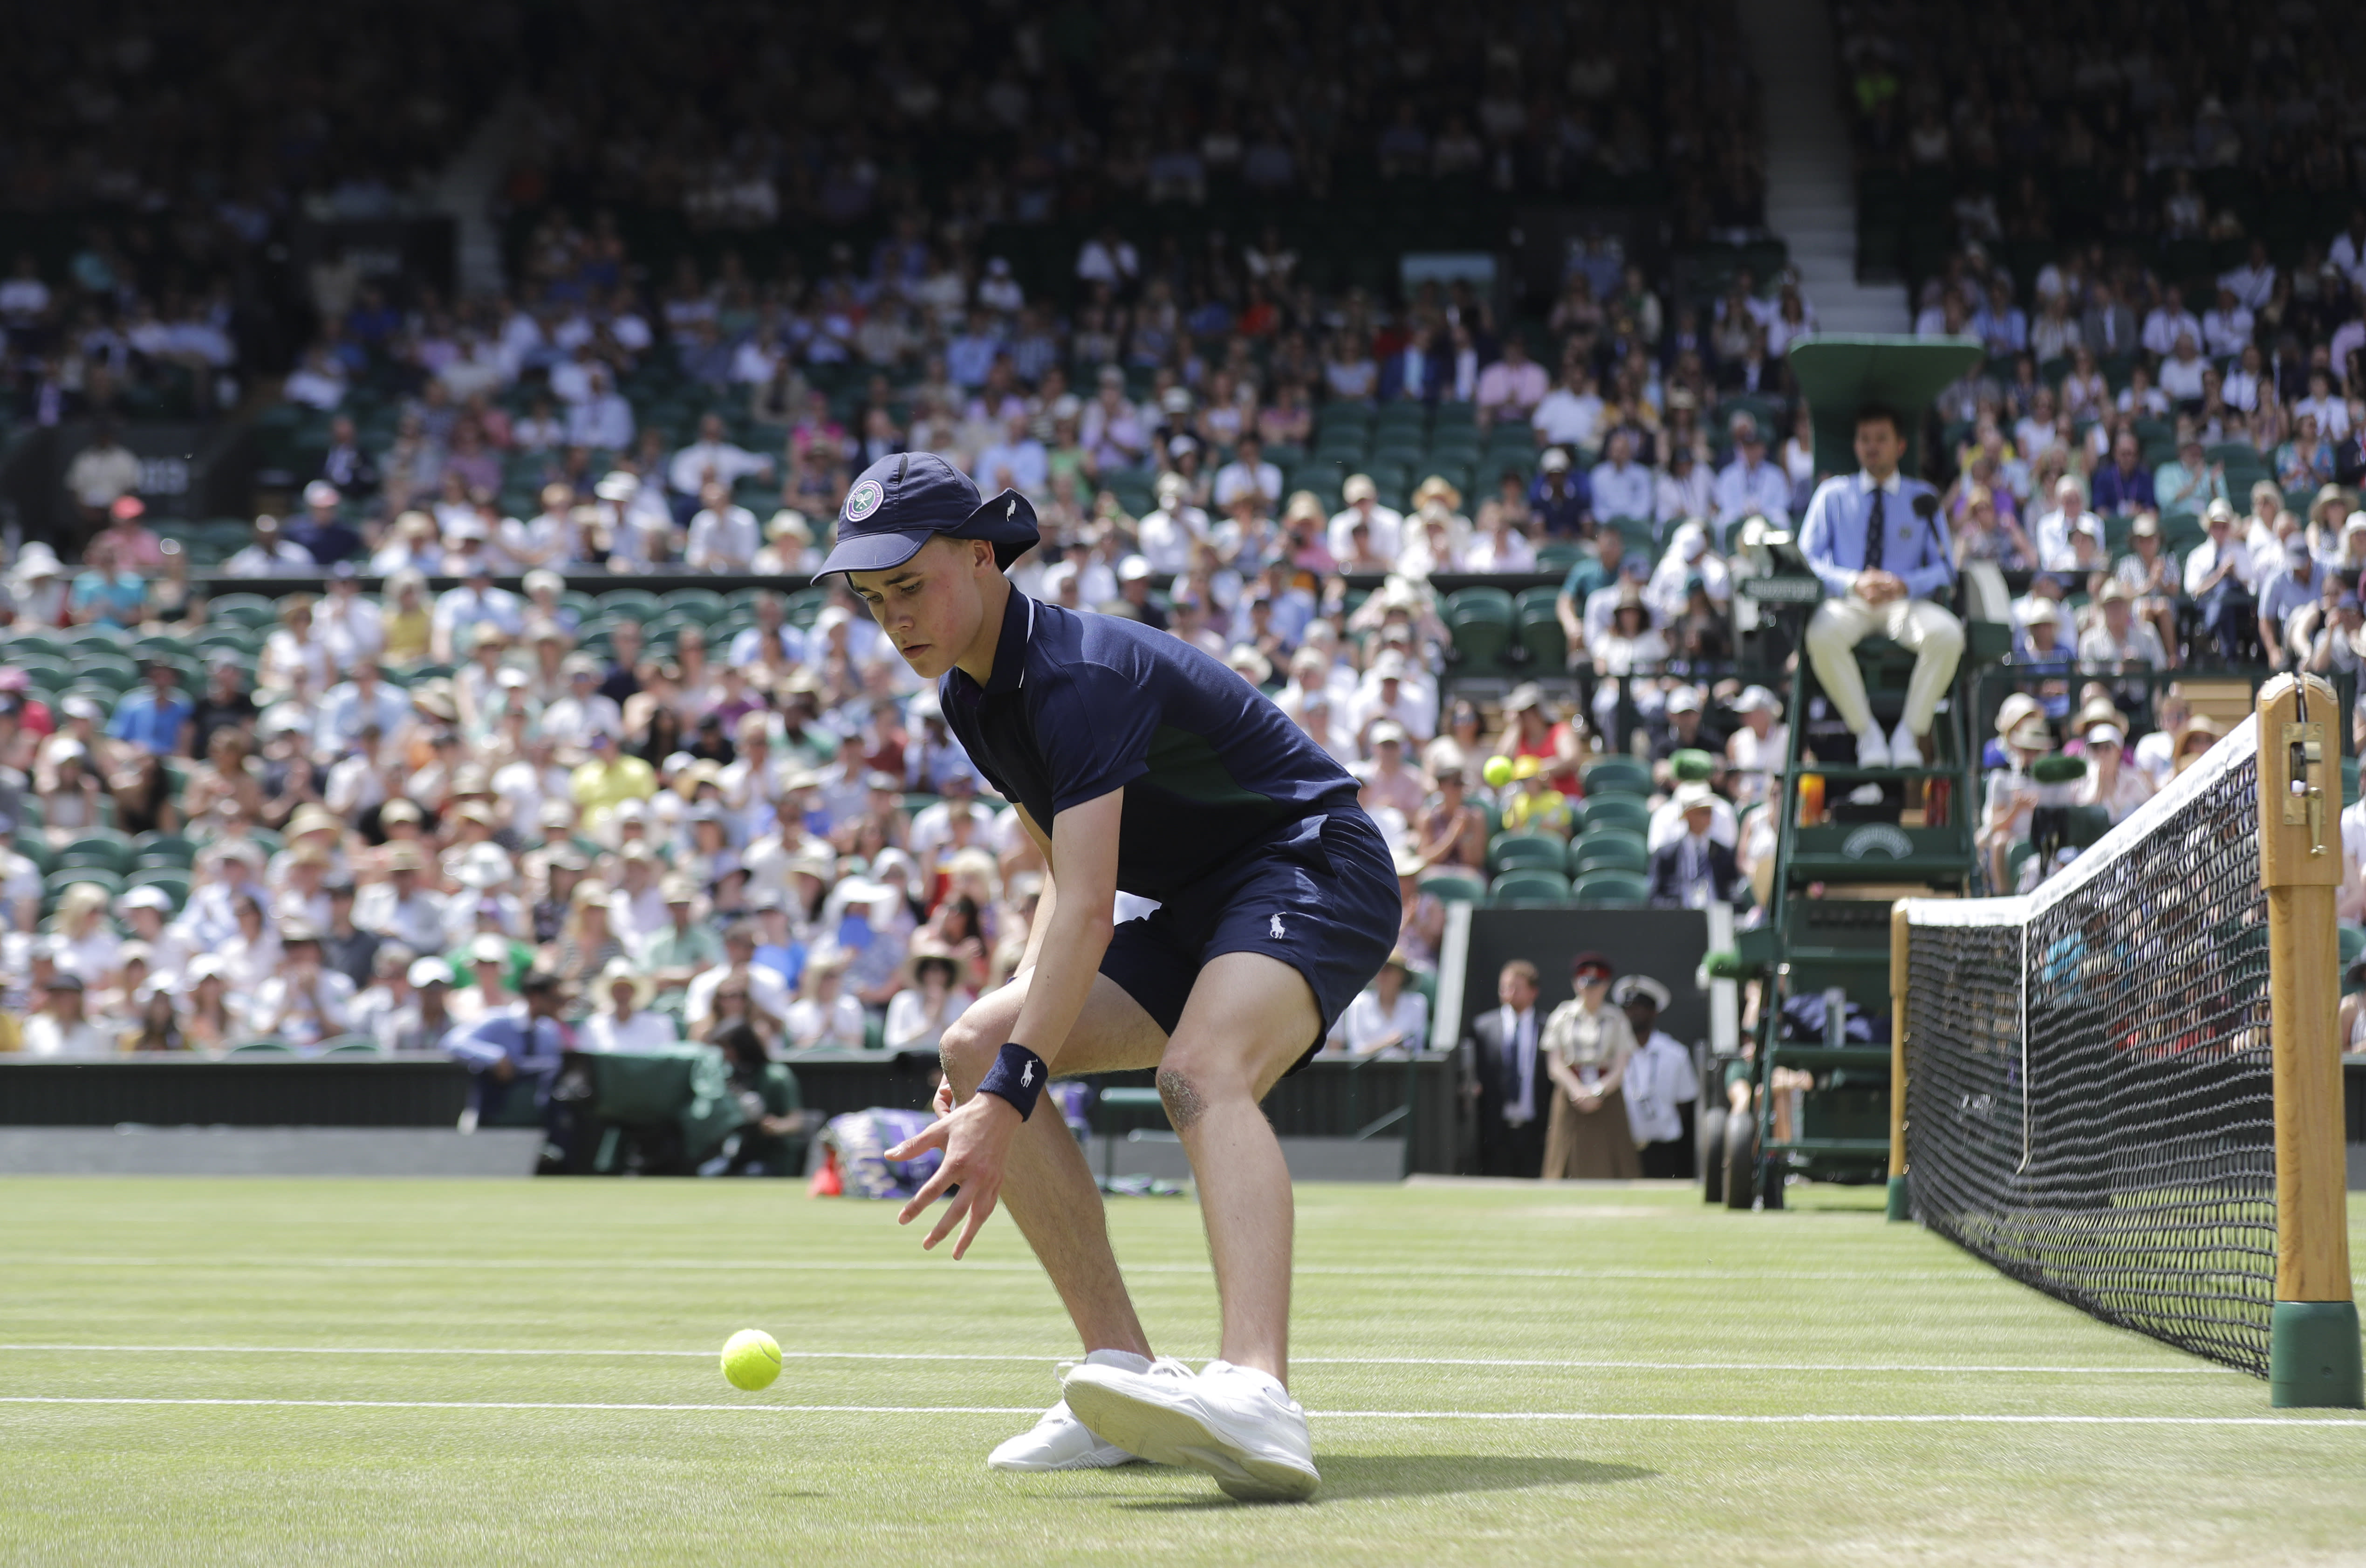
{"x": 2089, "y": 1102}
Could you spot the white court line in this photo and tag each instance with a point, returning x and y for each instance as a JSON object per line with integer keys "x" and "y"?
{"x": 1903, "y": 1367}
{"x": 1694, "y": 1417}
{"x": 704, "y": 1265}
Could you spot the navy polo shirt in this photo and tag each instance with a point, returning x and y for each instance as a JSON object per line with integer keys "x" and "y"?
{"x": 1080, "y": 705}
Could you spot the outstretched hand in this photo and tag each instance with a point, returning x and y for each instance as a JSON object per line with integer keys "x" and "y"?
{"x": 976, "y": 1139}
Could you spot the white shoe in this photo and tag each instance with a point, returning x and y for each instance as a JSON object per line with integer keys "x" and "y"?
{"x": 1872, "y": 750}
{"x": 1060, "y": 1441}
{"x": 1905, "y": 752}
{"x": 1233, "y": 1423}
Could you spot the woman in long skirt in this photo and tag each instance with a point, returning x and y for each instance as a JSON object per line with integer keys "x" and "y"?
{"x": 1587, "y": 1043}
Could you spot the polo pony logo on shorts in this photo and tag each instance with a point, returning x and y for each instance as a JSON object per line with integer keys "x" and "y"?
{"x": 862, "y": 501}
{"x": 1277, "y": 932}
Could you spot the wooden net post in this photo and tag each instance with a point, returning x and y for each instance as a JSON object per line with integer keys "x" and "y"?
{"x": 1901, "y": 937}
{"x": 2312, "y": 1347}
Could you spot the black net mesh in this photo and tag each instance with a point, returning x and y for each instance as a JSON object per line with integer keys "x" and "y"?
{"x": 2088, "y": 1098}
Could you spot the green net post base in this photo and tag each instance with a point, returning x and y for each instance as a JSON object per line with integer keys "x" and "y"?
{"x": 2313, "y": 1356}
{"x": 1899, "y": 1209}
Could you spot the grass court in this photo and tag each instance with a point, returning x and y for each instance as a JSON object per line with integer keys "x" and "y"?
{"x": 442, "y": 1372}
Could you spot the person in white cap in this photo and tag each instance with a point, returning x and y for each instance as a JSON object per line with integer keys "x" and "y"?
{"x": 1881, "y": 559}
{"x": 2110, "y": 783}
{"x": 1754, "y": 753}
{"x": 1387, "y": 696}
{"x": 1385, "y": 526}
{"x": 1661, "y": 1083}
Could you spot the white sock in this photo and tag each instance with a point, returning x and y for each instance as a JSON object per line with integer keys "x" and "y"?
{"x": 1123, "y": 1360}
{"x": 1215, "y": 1369}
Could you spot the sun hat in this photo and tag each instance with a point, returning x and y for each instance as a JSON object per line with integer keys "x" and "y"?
{"x": 900, "y": 502}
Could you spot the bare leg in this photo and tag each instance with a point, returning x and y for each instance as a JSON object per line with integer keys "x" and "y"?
{"x": 1046, "y": 1185}
{"x": 1249, "y": 1018}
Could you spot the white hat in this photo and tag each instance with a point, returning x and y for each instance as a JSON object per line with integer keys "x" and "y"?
{"x": 1629, "y": 986}
{"x": 146, "y": 898}
{"x": 1757, "y": 699}
{"x": 617, "y": 485}
{"x": 1684, "y": 699}
{"x": 2033, "y": 613}
{"x": 427, "y": 972}
{"x": 1388, "y": 731}
{"x": 1694, "y": 797}
{"x": 1133, "y": 569}
{"x": 487, "y": 948}
{"x": 1388, "y": 666}
{"x": 2103, "y": 735}
{"x": 1554, "y": 461}
{"x": 484, "y": 866}
{"x": 321, "y": 492}
{"x": 863, "y": 890}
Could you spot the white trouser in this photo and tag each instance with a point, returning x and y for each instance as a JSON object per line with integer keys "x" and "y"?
{"x": 1930, "y": 633}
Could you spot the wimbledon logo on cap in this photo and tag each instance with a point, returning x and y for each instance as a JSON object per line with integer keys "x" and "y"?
{"x": 862, "y": 501}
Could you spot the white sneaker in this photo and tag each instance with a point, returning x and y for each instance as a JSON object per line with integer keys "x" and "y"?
{"x": 1871, "y": 750}
{"x": 1233, "y": 1423}
{"x": 1905, "y": 752}
{"x": 1060, "y": 1441}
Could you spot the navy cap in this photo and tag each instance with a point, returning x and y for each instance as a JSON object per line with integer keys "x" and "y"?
{"x": 900, "y": 502}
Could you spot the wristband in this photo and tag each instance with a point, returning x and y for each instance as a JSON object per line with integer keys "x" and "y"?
{"x": 1017, "y": 1077}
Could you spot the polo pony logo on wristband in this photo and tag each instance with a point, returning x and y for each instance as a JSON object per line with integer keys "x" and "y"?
{"x": 1027, "y": 1075}
{"x": 862, "y": 501}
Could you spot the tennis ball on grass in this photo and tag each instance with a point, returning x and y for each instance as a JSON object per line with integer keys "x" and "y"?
{"x": 1497, "y": 773}
{"x": 751, "y": 1360}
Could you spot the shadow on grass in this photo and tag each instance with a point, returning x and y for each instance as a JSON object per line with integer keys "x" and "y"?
{"x": 1348, "y": 1476}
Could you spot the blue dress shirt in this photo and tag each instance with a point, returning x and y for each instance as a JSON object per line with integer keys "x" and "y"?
{"x": 1914, "y": 551}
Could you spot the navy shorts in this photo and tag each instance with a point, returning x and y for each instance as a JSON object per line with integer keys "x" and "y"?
{"x": 1322, "y": 897}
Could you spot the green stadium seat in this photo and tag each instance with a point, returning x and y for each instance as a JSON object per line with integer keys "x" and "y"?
{"x": 1533, "y": 885}
{"x": 705, "y": 602}
{"x": 1517, "y": 851}
{"x": 629, "y": 604}
{"x": 1608, "y": 852}
{"x": 261, "y": 1048}
{"x": 1612, "y": 887}
{"x": 1455, "y": 889}
{"x": 243, "y": 609}
{"x": 354, "y": 1045}
{"x": 56, "y": 882}
{"x": 1616, "y": 775}
{"x": 1618, "y": 810}
{"x": 173, "y": 881}
{"x": 1543, "y": 644}
{"x": 100, "y": 847}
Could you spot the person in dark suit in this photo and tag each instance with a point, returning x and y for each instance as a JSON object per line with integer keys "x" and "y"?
{"x": 1513, "y": 1089}
{"x": 2109, "y": 328}
{"x": 1693, "y": 871}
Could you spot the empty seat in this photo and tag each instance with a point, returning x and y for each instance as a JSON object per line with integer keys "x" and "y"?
{"x": 1514, "y": 852}
{"x": 1612, "y": 887}
{"x": 1529, "y": 886}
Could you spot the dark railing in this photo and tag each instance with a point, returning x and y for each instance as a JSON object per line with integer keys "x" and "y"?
{"x": 1413, "y": 1099}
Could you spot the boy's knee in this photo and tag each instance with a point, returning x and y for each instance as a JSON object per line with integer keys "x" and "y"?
{"x": 966, "y": 1051}
{"x": 1192, "y": 1079}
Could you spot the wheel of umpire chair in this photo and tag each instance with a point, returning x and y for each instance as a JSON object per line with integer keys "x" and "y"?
{"x": 1710, "y": 1152}
{"x": 1741, "y": 1159}
{"x": 1771, "y": 1171}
